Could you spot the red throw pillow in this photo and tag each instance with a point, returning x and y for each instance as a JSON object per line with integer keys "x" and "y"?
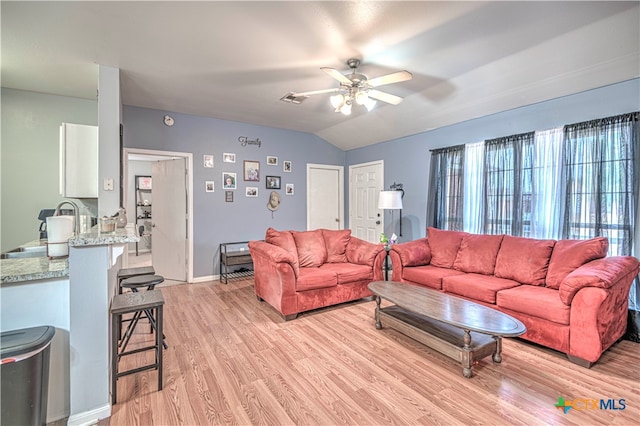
{"x": 569, "y": 255}
{"x": 311, "y": 249}
{"x": 336, "y": 244}
{"x": 284, "y": 240}
{"x": 524, "y": 259}
{"x": 444, "y": 246}
{"x": 362, "y": 252}
{"x": 478, "y": 253}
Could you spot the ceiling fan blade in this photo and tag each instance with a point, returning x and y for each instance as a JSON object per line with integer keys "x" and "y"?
{"x": 337, "y": 75}
{"x": 394, "y": 77}
{"x": 317, "y": 92}
{"x": 384, "y": 97}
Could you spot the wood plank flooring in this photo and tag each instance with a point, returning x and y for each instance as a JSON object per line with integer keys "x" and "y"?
{"x": 233, "y": 360}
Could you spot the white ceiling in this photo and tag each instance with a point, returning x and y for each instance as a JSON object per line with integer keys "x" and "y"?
{"x": 235, "y": 60}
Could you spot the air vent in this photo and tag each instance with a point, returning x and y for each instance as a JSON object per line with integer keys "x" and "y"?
{"x": 293, "y": 98}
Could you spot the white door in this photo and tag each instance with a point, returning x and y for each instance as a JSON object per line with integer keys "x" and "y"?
{"x": 325, "y": 196}
{"x": 365, "y": 183}
{"x": 169, "y": 218}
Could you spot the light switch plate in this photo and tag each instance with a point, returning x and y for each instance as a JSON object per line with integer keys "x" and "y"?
{"x": 108, "y": 184}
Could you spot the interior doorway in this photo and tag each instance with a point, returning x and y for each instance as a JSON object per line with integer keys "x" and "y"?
{"x": 177, "y": 229}
{"x": 325, "y": 196}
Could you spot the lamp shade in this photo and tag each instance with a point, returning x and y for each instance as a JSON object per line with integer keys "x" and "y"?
{"x": 390, "y": 200}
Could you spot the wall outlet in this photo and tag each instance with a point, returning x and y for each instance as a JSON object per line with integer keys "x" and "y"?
{"x": 108, "y": 184}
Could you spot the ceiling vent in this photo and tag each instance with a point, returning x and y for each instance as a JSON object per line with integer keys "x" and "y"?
{"x": 293, "y": 98}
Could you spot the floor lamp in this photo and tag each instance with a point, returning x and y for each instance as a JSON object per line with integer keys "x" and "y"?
{"x": 391, "y": 200}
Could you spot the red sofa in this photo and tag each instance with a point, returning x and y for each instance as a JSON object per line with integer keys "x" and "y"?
{"x": 571, "y": 297}
{"x": 300, "y": 271}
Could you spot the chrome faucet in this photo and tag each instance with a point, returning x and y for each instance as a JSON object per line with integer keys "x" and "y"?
{"x": 76, "y": 213}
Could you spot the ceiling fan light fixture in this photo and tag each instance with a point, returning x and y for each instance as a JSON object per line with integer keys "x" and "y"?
{"x": 370, "y": 103}
{"x": 337, "y": 101}
{"x": 362, "y": 97}
{"x": 346, "y": 108}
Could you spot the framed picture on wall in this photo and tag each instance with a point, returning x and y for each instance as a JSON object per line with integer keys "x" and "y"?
{"x": 144, "y": 182}
{"x": 209, "y": 186}
{"x": 289, "y": 189}
{"x": 228, "y": 196}
{"x": 273, "y": 182}
{"x": 251, "y": 191}
{"x": 272, "y": 161}
{"x": 252, "y": 171}
{"x": 286, "y": 166}
{"x": 208, "y": 161}
{"x": 228, "y": 157}
{"x": 228, "y": 180}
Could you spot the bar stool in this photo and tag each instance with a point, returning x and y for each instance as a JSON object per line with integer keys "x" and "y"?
{"x": 125, "y": 273}
{"x": 135, "y": 284}
{"x": 136, "y": 302}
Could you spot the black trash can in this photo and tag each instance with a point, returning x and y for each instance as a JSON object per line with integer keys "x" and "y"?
{"x": 24, "y": 374}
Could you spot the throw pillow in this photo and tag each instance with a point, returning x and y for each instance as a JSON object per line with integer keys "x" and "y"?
{"x": 336, "y": 244}
{"x": 311, "y": 249}
{"x": 284, "y": 240}
{"x": 444, "y": 246}
{"x": 478, "y": 253}
{"x": 525, "y": 260}
{"x": 569, "y": 255}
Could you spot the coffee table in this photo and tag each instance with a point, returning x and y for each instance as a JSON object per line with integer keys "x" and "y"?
{"x": 456, "y": 327}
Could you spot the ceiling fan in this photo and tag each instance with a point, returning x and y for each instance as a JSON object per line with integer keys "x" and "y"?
{"x": 356, "y": 88}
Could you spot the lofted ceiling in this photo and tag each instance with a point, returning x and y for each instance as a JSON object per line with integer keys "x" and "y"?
{"x": 235, "y": 60}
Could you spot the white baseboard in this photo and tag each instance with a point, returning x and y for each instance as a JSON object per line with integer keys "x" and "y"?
{"x": 91, "y": 417}
{"x": 205, "y": 279}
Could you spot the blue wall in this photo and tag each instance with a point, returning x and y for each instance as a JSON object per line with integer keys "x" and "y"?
{"x": 406, "y": 160}
{"x": 216, "y": 221}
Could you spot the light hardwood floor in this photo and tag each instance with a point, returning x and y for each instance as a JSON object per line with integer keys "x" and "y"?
{"x": 233, "y": 360}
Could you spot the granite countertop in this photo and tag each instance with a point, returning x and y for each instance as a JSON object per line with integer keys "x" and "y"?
{"x": 40, "y": 268}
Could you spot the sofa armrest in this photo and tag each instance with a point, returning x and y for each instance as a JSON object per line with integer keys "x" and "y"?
{"x": 413, "y": 253}
{"x": 362, "y": 252}
{"x": 601, "y": 273}
{"x": 274, "y": 276}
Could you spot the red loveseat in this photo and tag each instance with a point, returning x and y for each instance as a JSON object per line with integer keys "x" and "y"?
{"x": 571, "y": 297}
{"x": 300, "y": 271}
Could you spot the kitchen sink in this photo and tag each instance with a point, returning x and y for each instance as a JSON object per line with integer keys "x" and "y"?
{"x": 25, "y": 252}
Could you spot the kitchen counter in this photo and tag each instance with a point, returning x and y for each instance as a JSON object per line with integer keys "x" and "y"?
{"x": 40, "y": 268}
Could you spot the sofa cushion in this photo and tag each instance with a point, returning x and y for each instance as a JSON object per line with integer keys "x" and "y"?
{"x": 311, "y": 248}
{"x": 524, "y": 259}
{"x": 477, "y": 286}
{"x": 569, "y": 255}
{"x": 349, "y": 272}
{"x": 362, "y": 252}
{"x": 284, "y": 240}
{"x": 336, "y": 244}
{"x": 540, "y": 302}
{"x": 444, "y": 246}
{"x": 428, "y": 276}
{"x": 478, "y": 253}
{"x": 311, "y": 278}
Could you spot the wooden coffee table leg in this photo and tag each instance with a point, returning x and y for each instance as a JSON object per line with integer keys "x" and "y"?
{"x": 467, "y": 358}
{"x": 377, "y": 315}
{"x": 497, "y": 356}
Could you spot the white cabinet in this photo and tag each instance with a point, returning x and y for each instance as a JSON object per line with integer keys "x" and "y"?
{"x": 78, "y": 161}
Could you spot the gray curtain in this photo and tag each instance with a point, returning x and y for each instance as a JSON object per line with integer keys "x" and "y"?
{"x": 602, "y": 189}
{"x": 507, "y": 182}
{"x": 446, "y": 189}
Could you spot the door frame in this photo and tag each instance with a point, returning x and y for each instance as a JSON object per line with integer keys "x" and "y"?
{"x": 340, "y": 170}
{"x": 188, "y": 157}
{"x": 351, "y": 194}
